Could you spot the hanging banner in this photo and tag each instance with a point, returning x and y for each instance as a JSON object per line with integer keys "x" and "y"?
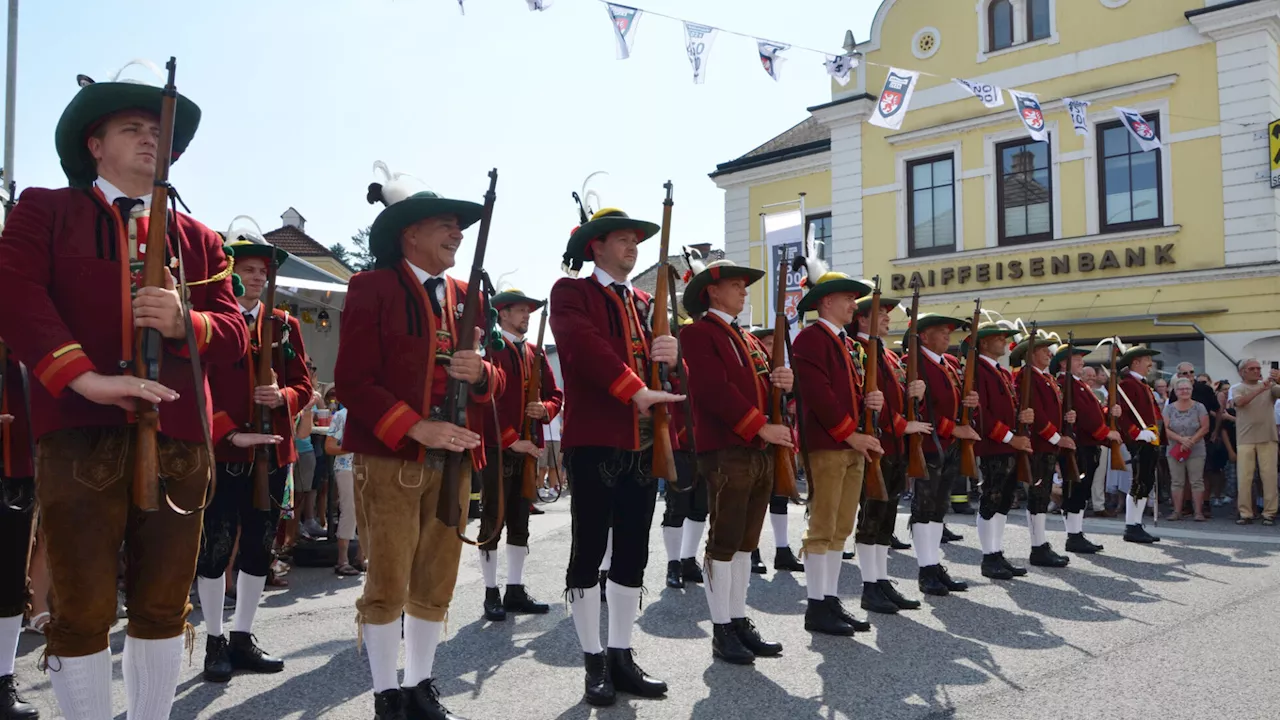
{"x": 1079, "y": 110}
{"x": 462, "y": 7}
{"x": 538, "y": 5}
{"x": 990, "y": 95}
{"x": 1139, "y": 128}
{"x": 894, "y": 98}
{"x": 697, "y": 43}
{"x": 1032, "y": 116}
{"x": 624, "y": 19}
{"x": 783, "y": 239}
{"x": 839, "y": 67}
{"x": 769, "y": 56}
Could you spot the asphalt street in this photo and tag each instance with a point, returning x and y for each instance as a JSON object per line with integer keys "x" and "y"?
{"x": 1183, "y": 629}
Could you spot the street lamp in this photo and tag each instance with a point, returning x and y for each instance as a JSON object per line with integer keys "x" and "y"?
{"x": 322, "y": 322}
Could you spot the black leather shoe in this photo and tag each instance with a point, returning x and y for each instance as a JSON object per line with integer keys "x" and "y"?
{"x": 424, "y": 703}
{"x": 890, "y": 590}
{"x": 727, "y": 645}
{"x": 896, "y": 544}
{"x": 535, "y": 510}
{"x": 841, "y": 612}
{"x": 873, "y": 600}
{"x": 784, "y": 559}
{"x": 1017, "y": 571}
{"x": 11, "y": 706}
{"x": 391, "y": 705}
{"x": 1139, "y": 534}
{"x": 929, "y": 582}
{"x": 518, "y": 600}
{"x": 948, "y": 536}
{"x": 952, "y": 585}
{"x": 217, "y": 662}
{"x": 246, "y": 655}
{"x": 690, "y": 571}
{"x": 675, "y": 580}
{"x": 994, "y": 569}
{"x": 599, "y": 687}
{"x": 604, "y": 578}
{"x": 1078, "y": 543}
{"x": 750, "y": 637}
{"x": 628, "y": 677}
{"x": 847, "y": 555}
{"x": 819, "y": 617}
{"x": 757, "y": 565}
{"x": 1044, "y": 556}
{"x": 493, "y": 610}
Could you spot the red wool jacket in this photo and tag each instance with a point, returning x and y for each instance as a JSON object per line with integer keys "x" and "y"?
{"x": 232, "y": 386}
{"x": 729, "y": 384}
{"x": 1091, "y": 417}
{"x": 890, "y": 379}
{"x": 66, "y": 293}
{"x": 1046, "y": 400}
{"x": 829, "y": 387}
{"x": 997, "y": 412}
{"x": 941, "y": 405}
{"x": 388, "y": 373}
{"x": 511, "y": 416}
{"x": 15, "y": 437}
{"x": 1143, "y": 399}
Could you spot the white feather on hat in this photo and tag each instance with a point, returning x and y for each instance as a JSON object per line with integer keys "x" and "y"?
{"x": 243, "y": 233}
{"x": 396, "y": 186}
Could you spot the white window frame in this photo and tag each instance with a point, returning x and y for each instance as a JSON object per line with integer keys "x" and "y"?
{"x": 904, "y": 187}
{"x": 1092, "y": 201}
{"x": 991, "y": 164}
{"x": 1019, "y": 29}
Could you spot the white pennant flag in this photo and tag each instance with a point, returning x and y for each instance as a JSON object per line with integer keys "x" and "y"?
{"x": 1079, "y": 110}
{"x": 990, "y": 95}
{"x": 1032, "y": 115}
{"x": 894, "y": 98}
{"x": 697, "y": 43}
{"x": 839, "y": 67}
{"x": 624, "y": 19}
{"x": 1139, "y": 128}
{"x": 536, "y": 5}
{"x": 769, "y": 58}
{"x": 462, "y": 7}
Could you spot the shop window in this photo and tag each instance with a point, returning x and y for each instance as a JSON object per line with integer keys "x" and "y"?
{"x": 1024, "y": 192}
{"x": 931, "y": 217}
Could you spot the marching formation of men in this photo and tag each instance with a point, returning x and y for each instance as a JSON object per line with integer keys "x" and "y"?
{"x": 428, "y": 407}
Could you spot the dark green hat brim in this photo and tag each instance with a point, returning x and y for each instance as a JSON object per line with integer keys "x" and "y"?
{"x": 695, "y": 299}
{"x": 1134, "y": 354}
{"x": 1020, "y": 350}
{"x": 762, "y": 333}
{"x": 1061, "y": 355}
{"x": 384, "y": 234}
{"x": 830, "y": 287}
{"x": 94, "y": 104}
{"x": 508, "y": 298}
{"x": 984, "y": 332}
{"x": 924, "y": 322}
{"x": 242, "y": 250}
{"x": 886, "y": 304}
{"x": 580, "y": 241}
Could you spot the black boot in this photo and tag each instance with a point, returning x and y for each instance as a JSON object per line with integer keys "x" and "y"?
{"x": 604, "y": 578}
{"x": 493, "y": 610}
{"x": 841, "y": 612}
{"x": 873, "y": 600}
{"x": 1139, "y": 534}
{"x": 1078, "y": 543}
{"x": 750, "y": 637}
{"x": 11, "y": 706}
{"x": 847, "y": 555}
{"x": 628, "y": 677}
{"x": 784, "y": 559}
{"x": 599, "y": 690}
{"x": 675, "y": 580}
{"x": 757, "y": 565}
{"x": 952, "y": 585}
{"x": 994, "y": 569}
{"x": 390, "y": 705}
{"x": 896, "y": 544}
{"x": 690, "y": 571}
{"x": 246, "y": 655}
{"x": 929, "y": 582}
{"x": 819, "y": 617}
{"x": 424, "y": 703}
{"x": 518, "y": 600}
{"x": 1017, "y": 571}
{"x": 726, "y": 645}
{"x": 217, "y": 663}
{"x": 948, "y": 536}
{"x": 890, "y": 591}
{"x": 1044, "y": 556}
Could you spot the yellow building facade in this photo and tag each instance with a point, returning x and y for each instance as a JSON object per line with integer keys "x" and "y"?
{"x": 1177, "y": 247}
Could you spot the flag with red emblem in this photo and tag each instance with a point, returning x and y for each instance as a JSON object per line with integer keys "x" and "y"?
{"x": 894, "y": 98}
{"x": 1028, "y": 106}
{"x": 1141, "y": 130}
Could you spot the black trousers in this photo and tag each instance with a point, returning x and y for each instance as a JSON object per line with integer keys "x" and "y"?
{"x": 876, "y": 518}
{"x": 778, "y": 504}
{"x": 17, "y": 508}
{"x": 999, "y": 479}
{"x": 931, "y": 498}
{"x": 516, "y": 512}
{"x": 615, "y": 489}
{"x": 1041, "y": 486}
{"x": 232, "y": 509}
{"x": 1145, "y": 457}
{"x": 1076, "y": 495}
{"x": 687, "y": 498}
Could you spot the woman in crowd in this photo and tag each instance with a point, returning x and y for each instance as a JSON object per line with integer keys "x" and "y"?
{"x": 1186, "y": 424}
{"x": 344, "y": 479}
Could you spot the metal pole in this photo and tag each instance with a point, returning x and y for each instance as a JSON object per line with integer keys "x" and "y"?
{"x": 10, "y": 93}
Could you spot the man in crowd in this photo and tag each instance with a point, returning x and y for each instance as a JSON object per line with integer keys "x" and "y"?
{"x": 1254, "y": 400}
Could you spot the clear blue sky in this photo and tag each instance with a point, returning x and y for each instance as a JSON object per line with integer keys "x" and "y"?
{"x": 299, "y": 98}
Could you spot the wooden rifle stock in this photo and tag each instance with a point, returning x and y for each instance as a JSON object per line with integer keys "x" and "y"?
{"x": 1113, "y": 392}
{"x": 262, "y": 376}
{"x": 148, "y": 343}
{"x": 1024, "y": 402}
{"x": 968, "y": 461}
{"x": 664, "y": 460}
{"x": 1070, "y": 465}
{"x": 915, "y": 442}
{"x": 529, "y": 471}
{"x": 784, "y": 458}
{"x": 873, "y": 478}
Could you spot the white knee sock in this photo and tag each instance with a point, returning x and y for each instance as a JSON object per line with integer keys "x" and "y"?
{"x": 248, "y": 593}
{"x": 741, "y": 576}
{"x": 935, "y": 535}
{"x": 584, "y": 606}
{"x": 996, "y": 537}
{"x": 779, "y": 523}
{"x": 882, "y": 562}
{"x": 1074, "y": 522}
{"x": 382, "y": 644}
{"x": 1133, "y": 510}
{"x": 815, "y": 574}
{"x": 984, "y": 535}
{"x": 624, "y": 606}
{"x": 920, "y": 540}
{"x": 1039, "y": 535}
{"x": 212, "y": 593}
{"x": 83, "y": 685}
{"x": 10, "y": 629}
{"x": 835, "y": 559}
{"x": 420, "y": 640}
{"x": 151, "y": 669}
{"x": 867, "y": 562}
{"x": 515, "y": 564}
{"x": 671, "y": 539}
{"x": 488, "y": 567}
{"x": 691, "y": 538}
{"x": 718, "y": 585}
{"x": 607, "y": 562}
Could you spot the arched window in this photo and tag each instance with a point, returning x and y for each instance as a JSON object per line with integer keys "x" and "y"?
{"x": 1000, "y": 25}
{"x": 1038, "y": 20}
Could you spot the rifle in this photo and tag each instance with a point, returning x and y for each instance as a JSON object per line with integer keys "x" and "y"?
{"x": 1070, "y": 467}
{"x": 969, "y": 463}
{"x": 785, "y": 331}
{"x": 1113, "y": 391}
{"x": 262, "y": 376}
{"x": 664, "y": 461}
{"x": 680, "y": 372}
{"x": 149, "y": 343}
{"x": 784, "y": 460}
{"x": 1024, "y": 402}
{"x": 529, "y": 471}
{"x": 448, "y": 509}
{"x": 915, "y": 443}
{"x": 873, "y": 479}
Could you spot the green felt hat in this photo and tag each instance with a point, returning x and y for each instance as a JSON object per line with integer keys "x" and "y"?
{"x": 762, "y": 332}
{"x": 1019, "y": 351}
{"x": 98, "y": 101}
{"x": 695, "y": 293}
{"x": 1060, "y": 356}
{"x": 1134, "y": 353}
{"x": 407, "y": 202}
{"x": 241, "y": 249}
{"x": 602, "y": 223}
{"x": 829, "y": 283}
{"x": 513, "y": 296}
{"x": 887, "y": 304}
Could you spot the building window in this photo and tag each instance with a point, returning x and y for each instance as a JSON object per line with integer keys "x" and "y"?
{"x": 1038, "y": 20}
{"x": 1024, "y": 192}
{"x": 1000, "y": 25}
{"x": 820, "y": 232}
{"x": 931, "y": 217}
{"x": 1128, "y": 179}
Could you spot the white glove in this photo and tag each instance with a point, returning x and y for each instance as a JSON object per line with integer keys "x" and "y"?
{"x": 1147, "y": 436}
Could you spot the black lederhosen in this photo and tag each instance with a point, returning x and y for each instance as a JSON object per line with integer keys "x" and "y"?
{"x": 931, "y": 498}
{"x": 516, "y": 511}
{"x": 1076, "y": 496}
{"x": 1144, "y": 458}
{"x": 615, "y": 489}
{"x": 232, "y": 508}
{"x": 1041, "y": 485}
{"x": 17, "y": 508}
{"x": 999, "y": 479}
{"x": 686, "y": 498}
{"x": 876, "y": 518}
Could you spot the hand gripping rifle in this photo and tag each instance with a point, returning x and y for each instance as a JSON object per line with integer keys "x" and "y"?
{"x": 915, "y": 443}
{"x": 262, "y": 376}
{"x": 784, "y": 460}
{"x": 969, "y": 463}
{"x": 874, "y": 479}
{"x": 1113, "y": 392}
{"x": 664, "y": 461}
{"x": 1024, "y": 402}
{"x": 1070, "y": 465}
{"x": 529, "y": 470}
{"x": 681, "y": 373}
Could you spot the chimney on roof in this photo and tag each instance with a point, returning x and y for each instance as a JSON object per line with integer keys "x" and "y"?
{"x": 293, "y": 218}
{"x": 704, "y": 249}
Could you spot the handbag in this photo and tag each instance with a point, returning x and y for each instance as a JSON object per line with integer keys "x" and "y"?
{"x": 1179, "y": 452}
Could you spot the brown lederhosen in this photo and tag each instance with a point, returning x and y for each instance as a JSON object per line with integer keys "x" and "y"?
{"x": 739, "y": 484}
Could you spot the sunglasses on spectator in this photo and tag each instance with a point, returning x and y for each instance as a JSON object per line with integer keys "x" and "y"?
{"x": 1187, "y": 373}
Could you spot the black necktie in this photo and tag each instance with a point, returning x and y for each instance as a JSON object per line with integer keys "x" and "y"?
{"x": 843, "y": 337}
{"x": 126, "y": 205}
{"x": 248, "y": 319}
{"x": 433, "y": 285}
{"x": 621, "y": 290}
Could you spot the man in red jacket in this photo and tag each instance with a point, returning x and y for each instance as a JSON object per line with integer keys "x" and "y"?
{"x": 17, "y": 508}
{"x": 238, "y": 435}
{"x": 730, "y": 383}
{"x": 685, "y": 516}
{"x": 1140, "y": 425}
{"x": 829, "y": 366}
{"x": 68, "y": 262}
{"x": 397, "y": 352}
{"x": 1046, "y": 439}
{"x": 1091, "y": 431}
{"x": 606, "y": 345}
{"x": 518, "y": 361}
